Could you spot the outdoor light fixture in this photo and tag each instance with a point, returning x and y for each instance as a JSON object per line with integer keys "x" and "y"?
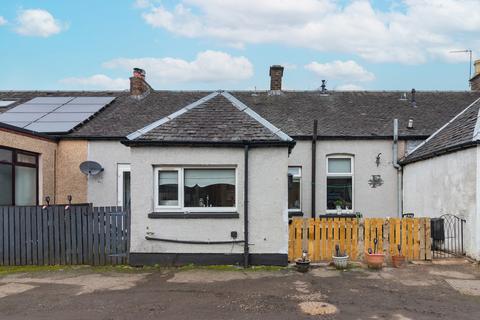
{"x": 377, "y": 160}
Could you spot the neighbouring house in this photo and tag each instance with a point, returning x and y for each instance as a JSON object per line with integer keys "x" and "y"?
{"x": 205, "y": 171}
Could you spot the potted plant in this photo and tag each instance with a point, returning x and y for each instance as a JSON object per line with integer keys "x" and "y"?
{"x": 340, "y": 259}
{"x": 338, "y": 205}
{"x": 303, "y": 263}
{"x": 398, "y": 260}
{"x": 374, "y": 260}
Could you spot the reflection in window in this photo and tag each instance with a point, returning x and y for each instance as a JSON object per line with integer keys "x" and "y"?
{"x": 18, "y": 177}
{"x": 168, "y": 188}
{"x": 294, "y": 177}
{"x": 209, "y": 188}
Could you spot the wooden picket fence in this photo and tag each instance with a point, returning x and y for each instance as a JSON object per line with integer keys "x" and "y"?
{"x": 60, "y": 235}
{"x": 320, "y": 236}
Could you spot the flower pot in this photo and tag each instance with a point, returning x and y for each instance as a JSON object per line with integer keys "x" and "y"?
{"x": 340, "y": 262}
{"x": 302, "y": 265}
{"x": 398, "y": 261}
{"x": 375, "y": 260}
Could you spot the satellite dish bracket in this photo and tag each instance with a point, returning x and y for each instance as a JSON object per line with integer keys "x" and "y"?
{"x": 91, "y": 168}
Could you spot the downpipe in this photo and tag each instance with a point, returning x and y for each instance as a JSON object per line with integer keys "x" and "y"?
{"x": 246, "y": 249}
{"x": 398, "y": 168}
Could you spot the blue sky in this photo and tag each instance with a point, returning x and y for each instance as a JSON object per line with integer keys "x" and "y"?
{"x": 213, "y": 44}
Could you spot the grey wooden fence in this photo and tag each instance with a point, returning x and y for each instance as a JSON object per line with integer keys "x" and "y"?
{"x": 60, "y": 235}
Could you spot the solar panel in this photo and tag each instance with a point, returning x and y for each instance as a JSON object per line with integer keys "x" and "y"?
{"x": 19, "y": 117}
{"x": 54, "y": 114}
{"x": 50, "y": 100}
{"x": 19, "y": 124}
{"x": 34, "y": 108}
{"x": 52, "y": 126}
{"x": 80, "y": 108}
{"x": 65, "y": 117}
{"x": 92, "y": 100}
{"x": 6, "y": 103}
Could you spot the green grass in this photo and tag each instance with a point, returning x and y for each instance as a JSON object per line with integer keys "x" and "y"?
{"x": 5, "y": 270}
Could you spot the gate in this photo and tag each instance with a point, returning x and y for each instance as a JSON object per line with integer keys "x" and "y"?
{"x": 63, "y": 235}
{"x": 447, "y": 236}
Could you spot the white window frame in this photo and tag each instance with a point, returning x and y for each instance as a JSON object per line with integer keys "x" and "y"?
{"x": 336, "y": 174}
{"x": 301, "y": 191}
{"x": 181, "y": 183}
{"x": 121, "y": 168}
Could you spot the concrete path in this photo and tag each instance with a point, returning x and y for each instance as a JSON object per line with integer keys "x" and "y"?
{"x": 415, "y": 292}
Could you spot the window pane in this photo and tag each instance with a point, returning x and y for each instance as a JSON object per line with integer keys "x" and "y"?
{"x": 25, "y": 186}
{"x": 5, "y": 155}
{"x": 209, "y": 188}
{"x": 339, "y": 165}
{"x": 294, "y": 194}
{"x": 5, "y": 184}
{"x": 126, "y": 189}
{"x": 26, "y": 158}
{"x": 339, "y": 190}
{"x": 168, "y": 188}
{"x": 294, "y": 171}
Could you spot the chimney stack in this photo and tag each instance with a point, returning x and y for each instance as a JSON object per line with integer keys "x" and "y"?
{"x": 475, "y": 81}
{"x": 139, "y": 88}
{"x": 276, "y": 73}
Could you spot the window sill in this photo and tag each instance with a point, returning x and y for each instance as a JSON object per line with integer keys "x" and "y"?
{"x": 295, "y": 214}
{"x": 193, "y": 215}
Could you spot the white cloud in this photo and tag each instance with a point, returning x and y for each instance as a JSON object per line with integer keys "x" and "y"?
{"x": 343, "y": 70}
{"x": 349, "y": 87}
{"x": 38, "y": 23}
{"x": 142, "y": 4}
{"x": 208, "y": 66}
{"x": 98, "y": 82}
{"x": 411, "y": 31}
{"x": 3, "y": 21}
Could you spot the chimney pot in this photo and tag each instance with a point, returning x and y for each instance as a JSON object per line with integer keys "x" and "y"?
{"x": 139, "y": 88}
{"x": 276, "y": 74}
{"x": 475, "y": 81}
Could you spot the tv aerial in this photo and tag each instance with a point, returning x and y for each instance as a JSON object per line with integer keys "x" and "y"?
{"x": 90, "y": 168}
{"x": 470, "y": 63}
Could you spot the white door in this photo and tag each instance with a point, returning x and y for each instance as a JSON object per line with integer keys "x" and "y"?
{"x": 123, "y": 185}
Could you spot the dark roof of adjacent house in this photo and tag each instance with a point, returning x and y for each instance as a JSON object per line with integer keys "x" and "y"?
{"x": 462, "y": 131}
{"x": 218, "y": 118}
{"x": 340, "y": 114}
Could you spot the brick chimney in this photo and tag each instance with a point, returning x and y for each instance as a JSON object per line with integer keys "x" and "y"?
{"x": 276, "y": 73}
{"x": 475, "y": 81}
{"x": 139, "y": 88}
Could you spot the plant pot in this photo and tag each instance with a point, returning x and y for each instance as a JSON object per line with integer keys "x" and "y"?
{"x": 398, "y": 261}
{"x": 375, "y": 260}
{"x": 302, "y": 265}
{"x": 340, "y": 262}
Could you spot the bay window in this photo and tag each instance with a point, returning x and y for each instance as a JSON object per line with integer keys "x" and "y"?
{"x": 340, "y": 183}
{"x": 18, "y": 177}
{"x": 195, "y": 189}
{"x": 294, "y": 188}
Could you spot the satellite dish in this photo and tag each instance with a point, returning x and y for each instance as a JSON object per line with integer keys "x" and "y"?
{"x": 90, "y": 168}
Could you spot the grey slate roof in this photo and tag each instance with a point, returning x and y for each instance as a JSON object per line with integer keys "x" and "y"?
{"x": 460, "y": 132}
{"x": 340, "y": 114}
{"x": 365, "y": 114}
{"x": 216, "y": 118}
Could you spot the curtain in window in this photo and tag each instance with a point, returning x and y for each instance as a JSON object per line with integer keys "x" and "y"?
{"x": 168, "y": 188}
{"x": 25, "y": 186}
